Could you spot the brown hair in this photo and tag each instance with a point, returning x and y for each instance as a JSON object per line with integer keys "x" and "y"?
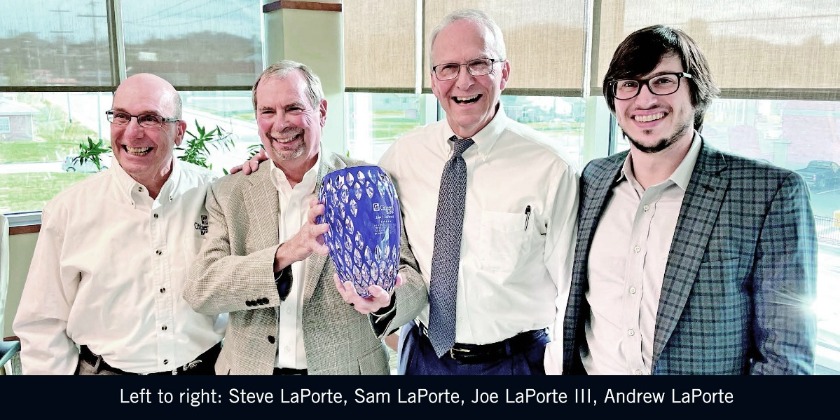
{"x": 642, "y": 51}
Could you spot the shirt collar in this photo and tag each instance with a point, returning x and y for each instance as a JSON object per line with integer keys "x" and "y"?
{"x": 128, "y": 187}
{"x": 681, "y": 175}
{"x": 281, "y": 183}
{"x": 486, "y": 138}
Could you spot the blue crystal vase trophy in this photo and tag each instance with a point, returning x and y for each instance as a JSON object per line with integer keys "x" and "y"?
{"x": 363, "y": 214}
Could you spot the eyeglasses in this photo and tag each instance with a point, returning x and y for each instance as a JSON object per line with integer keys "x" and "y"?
{"x": 477, "y": 67}
{"x": 144, "y": 120}
{"x": 664, "y": 84}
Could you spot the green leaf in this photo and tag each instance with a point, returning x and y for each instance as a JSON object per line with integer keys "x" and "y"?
{"x": 202, "y": 142}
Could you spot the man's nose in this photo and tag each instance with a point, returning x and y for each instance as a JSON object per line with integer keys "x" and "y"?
{"x": 133, "y": 128}
{"x": 645, "y": 94}
{"x": 280, "y": 122}
{"x": 464, "y": 79}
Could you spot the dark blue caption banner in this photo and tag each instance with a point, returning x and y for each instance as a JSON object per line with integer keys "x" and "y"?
{"x": 447, "y": 395}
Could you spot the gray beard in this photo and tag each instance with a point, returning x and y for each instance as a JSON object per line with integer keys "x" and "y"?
{"x": 662, "y": 144}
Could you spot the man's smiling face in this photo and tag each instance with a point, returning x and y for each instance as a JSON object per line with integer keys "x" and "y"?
{"x": 469, "y": 101}
{"x": 653, "y": 123}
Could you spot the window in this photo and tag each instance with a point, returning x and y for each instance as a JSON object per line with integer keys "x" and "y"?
{"x": 60, "y": 67}
{"x": 375, "y": 120}
{"x": 559, "y": 119}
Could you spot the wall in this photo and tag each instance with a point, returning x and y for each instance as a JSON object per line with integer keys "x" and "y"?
{"x": 20, "y": 255}
{"x": 313, "y": 37}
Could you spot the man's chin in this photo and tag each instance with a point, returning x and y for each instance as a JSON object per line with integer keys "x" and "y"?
{"x": 285, "y": 155}
{"x": 650, "y": 145}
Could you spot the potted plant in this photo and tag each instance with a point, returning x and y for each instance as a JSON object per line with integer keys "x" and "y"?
{"x": 91, "y": 152}
{"x": 197, "y": 148}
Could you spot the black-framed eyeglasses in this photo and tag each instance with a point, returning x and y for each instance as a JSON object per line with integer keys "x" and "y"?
{"x": 144, "y": 120}
{"x": 477, "y": 67}
{"x": 663, "y": 84}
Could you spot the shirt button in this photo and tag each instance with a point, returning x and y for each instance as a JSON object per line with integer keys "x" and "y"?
{"x": 163, "y": 328}
{"x": 632, "y": 290}
{"x": 163, "y": 290}
{"x": 165, "y": 361}
{"x": 646, "y": 207}
{"x": 158, "y": 252}
{"x": 140, "y": 189}
{"x": 636, "y": 249}
{"x": 631, "y": 332}
{"x": 156, "y": 216}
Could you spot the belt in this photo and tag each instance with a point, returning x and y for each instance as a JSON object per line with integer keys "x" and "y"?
{"x": 202, "y": 364}
{"x": 290, "y": 371}
{"x": 486, "y": 353}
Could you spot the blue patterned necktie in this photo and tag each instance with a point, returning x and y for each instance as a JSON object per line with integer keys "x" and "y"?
{"x": 447, "y": 249}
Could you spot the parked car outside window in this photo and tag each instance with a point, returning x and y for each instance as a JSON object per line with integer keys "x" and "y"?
{"x": 821, "y": 175}
{"x": 71, "y": 164}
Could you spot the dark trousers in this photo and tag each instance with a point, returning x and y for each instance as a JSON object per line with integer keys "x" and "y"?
{"x": 417, "y": 357}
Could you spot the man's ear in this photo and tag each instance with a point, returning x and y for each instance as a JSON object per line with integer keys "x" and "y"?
{"x": 505, "y": 74}
{"x": 181, "y": 128}
{"x": 322, "y": 110}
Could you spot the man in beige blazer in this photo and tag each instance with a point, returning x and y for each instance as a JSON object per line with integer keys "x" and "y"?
{"x": 264, "y": 260}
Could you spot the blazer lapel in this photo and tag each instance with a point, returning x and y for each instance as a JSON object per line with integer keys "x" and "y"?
{"x": 596, "y": 183}
{"x": 596, "y": 193}
{"x": 263, "y": 205}
{"x": 698, "y": 215}
{"x": 315, "y": 264}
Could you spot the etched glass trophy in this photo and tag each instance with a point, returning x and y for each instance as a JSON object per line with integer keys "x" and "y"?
{"x": 363, "y": 213}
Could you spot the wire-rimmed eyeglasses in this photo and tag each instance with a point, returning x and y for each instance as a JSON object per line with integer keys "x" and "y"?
{"x": 144, "y": 120}
{"x": 663, "y": 84}
{"x": 477, "y": 67}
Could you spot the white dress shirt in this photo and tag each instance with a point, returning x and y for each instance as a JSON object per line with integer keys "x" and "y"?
{"x": 294, "y": 206}
{"x": 519, "y": 225}
{"x": 108, "y": 272}
{"x": 627, "y": 263}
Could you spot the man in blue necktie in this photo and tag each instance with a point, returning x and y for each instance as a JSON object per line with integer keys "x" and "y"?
{"x": 490, "y": 212}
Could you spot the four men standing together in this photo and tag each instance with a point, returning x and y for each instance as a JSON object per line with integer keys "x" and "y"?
{"x": 682, "y": 259}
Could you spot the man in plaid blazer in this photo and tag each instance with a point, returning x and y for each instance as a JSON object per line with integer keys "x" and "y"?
{"x": 689, "y": 260}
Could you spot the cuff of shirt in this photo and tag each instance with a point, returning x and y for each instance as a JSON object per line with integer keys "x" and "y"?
{"x": 383, "y": 316}
{"x": 283, "y": 281}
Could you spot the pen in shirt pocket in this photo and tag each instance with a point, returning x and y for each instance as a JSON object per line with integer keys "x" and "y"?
{"x": 527, "y": 215}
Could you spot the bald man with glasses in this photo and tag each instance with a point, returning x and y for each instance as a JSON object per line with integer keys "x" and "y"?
{"x": 103, "y": 294}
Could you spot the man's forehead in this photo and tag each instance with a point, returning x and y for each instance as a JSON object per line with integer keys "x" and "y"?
{"x": 669, "y": 63}
{"x": 137, "y": 99}
{"x": 281, "y": 91}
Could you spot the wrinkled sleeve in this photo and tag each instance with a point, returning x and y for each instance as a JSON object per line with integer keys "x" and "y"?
{"x": 48, "y": 295}
{"x": 559, "y": 257}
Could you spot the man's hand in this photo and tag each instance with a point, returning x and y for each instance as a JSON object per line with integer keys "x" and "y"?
{"x": 379, "y": 297}
{"x": 309, "y": 239}
{"x": 251, "y": 165}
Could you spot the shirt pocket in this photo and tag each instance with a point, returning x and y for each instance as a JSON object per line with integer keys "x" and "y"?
{"x": 503, "y": 240}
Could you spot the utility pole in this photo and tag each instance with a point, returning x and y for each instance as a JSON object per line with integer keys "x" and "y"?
{"x": 93, "y": 17}
{"x": 62, "y": 33}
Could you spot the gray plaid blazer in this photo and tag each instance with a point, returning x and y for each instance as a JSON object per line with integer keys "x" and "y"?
{"x": 234, "y": 273}
{"x": 740, "y": 276}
